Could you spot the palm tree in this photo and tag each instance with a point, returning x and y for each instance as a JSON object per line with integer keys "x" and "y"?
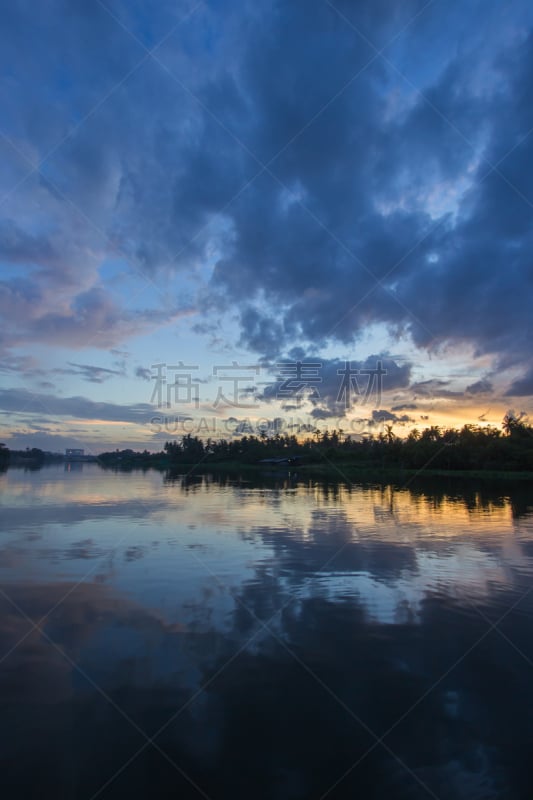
{"x": 510, "y": 422}
{"x": 516, "y": 424}
{"x": 389, "y": 434}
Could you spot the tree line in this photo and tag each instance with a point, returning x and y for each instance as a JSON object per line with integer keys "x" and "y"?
{"x": 471, "y": 447}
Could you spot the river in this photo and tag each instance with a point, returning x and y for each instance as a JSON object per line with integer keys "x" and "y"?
{"x": 275, "y": 637}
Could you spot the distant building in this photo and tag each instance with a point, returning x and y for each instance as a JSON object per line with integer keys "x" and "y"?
{"x": 71, "y": 452}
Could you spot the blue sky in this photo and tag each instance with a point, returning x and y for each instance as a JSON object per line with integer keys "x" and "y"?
{"x": 251, "y": 184}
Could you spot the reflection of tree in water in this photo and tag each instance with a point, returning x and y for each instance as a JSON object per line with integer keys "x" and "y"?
{"x": 521, "y": 501}
{"x": 473, "y": 494}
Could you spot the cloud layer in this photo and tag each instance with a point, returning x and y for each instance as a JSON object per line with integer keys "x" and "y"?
{"x": 311, "y": 169}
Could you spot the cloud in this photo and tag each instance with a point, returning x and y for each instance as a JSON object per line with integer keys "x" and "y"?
{"x": 290, "y": 178}
{"x": 433, "y": 388}
{"x": 388, "y": 416}
{"x": 144, "y": 373}
{"x": 483, "y": 386}
{"x": 18, "y": 363}
{"x": 521, "y": 387}
{"x": 334, "y": 386}
{"x": 313, "y": 235}
{"x": 93, "y": 318}
{"x": 22, "y": 401}
{"x": 89, "y": 372}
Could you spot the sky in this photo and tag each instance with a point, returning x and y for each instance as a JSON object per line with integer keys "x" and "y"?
{"x": 221, "y": 217}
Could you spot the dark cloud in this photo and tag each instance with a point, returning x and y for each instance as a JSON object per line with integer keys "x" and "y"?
{"x": 144, "y": 373}
{"x": 326, "y": 192}
{"x": 433, "y": 388}
{"x": 483, "y": 386}
{"x": 23, "y": 401}
{"x": 21, "y": 247}
{"x": 89, "y": 372}
{"x": 521, "y": 387}
{"x": 335, "y": 386}
{"x": 324, "y": 413}
{"x": 388, "y": 416}
{"x": 346, "y": 203}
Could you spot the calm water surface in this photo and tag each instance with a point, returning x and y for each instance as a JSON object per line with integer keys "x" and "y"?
{"x": 275, "y": 638}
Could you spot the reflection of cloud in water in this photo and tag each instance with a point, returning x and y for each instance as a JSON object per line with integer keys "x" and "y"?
{"x": 264, "y": 714}
{"x": 372, "y": 588}
{"x": 392, "y": 578}
{"x": 82, "y": 612}
{"x": 452, "y": 741}
{"x": 73, "y": 513}
{"x": 388, "y": 547}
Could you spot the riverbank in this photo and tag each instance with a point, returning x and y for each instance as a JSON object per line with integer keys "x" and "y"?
{"x": 329, "y": 469}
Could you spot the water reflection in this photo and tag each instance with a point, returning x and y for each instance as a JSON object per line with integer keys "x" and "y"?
{"x": 73, "y": 466}
{"x": 270, "y": 632}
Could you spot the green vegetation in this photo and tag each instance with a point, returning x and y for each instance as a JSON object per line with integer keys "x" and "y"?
{"x": 472, "y": 450}
{"x": 4, "y": 456}
{"x": 30, "y": 458}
